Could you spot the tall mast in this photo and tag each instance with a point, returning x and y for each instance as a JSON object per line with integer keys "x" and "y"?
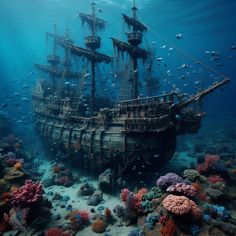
{"x": 92, "y": 42}
{"x": 134, "y": 38}
{"x": 53, "y": 59}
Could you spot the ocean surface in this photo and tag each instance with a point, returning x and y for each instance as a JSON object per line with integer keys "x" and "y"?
{"x": 193, "y": 44}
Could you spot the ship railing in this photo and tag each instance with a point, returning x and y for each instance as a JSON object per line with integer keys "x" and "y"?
{"x": 168, "y": 98}
{"x": 147, "y": 124}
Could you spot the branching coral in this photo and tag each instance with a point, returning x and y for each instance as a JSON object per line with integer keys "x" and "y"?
{"x": 79, "y": 218}
{"x": 168, "y": 229}
{"x": 28, "y": 193}
{"x": 215, "y": 179}
{"x": 209, "y": 163}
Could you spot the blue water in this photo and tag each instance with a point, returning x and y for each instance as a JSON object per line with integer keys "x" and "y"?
{"x": 204, "y": 24}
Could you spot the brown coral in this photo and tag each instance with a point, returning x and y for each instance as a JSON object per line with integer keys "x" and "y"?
{"x": 98, "y": 226}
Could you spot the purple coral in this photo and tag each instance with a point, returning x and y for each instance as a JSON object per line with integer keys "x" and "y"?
{"x": 182, "y": 189}
{"x": 169, "y": 179}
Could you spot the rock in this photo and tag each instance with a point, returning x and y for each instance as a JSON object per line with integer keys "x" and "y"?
{"x": 58, "y": 217}
{"x": 86, "y": 189}
{"x": 4, "y": 186}
{"x": 106, "y": 181}
{"x": 228, "y": 228}
{"x": 214, "y": 194}
{"x": 95, "y": 199}
{"x": 14, "y": 175}
{"x": 217, "y": 232}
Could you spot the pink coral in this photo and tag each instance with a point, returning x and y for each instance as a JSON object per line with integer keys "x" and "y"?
{"x": 215, "y": 179}
{"x": 132, "y": 201}
{"x": 124, "y": 194}
{"x": 182, "y": 189}
{"x": 28, "y": 193}
{"x": 180, "y": 205}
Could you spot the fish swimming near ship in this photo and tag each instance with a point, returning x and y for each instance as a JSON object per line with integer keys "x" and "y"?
{"x": 102, "y": 133}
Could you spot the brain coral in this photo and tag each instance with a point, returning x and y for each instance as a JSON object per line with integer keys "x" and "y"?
{"x": 169, "y": 179}
{"x": 98, "y": 226}
{"x": 181, "y": 205}
{"x": 191, "y": 174}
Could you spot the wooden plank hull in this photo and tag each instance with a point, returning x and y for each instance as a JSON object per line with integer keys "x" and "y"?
{"x": 97, "y": 148}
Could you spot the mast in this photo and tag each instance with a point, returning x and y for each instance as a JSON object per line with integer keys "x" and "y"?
{"x": 134, "y": 39}
{"x": 92, "y": 42}
{"x": 53, "y": 59}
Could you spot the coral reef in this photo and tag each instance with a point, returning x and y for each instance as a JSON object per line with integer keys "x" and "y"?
{"x": 181, "y": 205}
{"x": 28, "y": 193}
{"x": 182, "y": 189}
{"x": 168, "y": 179}
{"x": 98, "y": 226}
{"x": 191, "y": 174}
{"x": 79, "y": 219}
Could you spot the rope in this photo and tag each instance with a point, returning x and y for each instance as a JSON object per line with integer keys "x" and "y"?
{"x": 187, "y": 54}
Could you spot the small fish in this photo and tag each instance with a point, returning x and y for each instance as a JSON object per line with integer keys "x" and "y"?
{"x": 233, "y": 47}
{"x": 170, "y": 49}
{"x": 178, "y": 36}
{"x": 159, "y": 58}
{"x": 197, "y": 82}
{"x": 4, "y": 105}
{"x": 164, "y": 46}
{"x": 86, "y": 75}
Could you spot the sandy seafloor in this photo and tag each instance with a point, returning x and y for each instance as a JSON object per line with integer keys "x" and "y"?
{"x": 79, "y": 202}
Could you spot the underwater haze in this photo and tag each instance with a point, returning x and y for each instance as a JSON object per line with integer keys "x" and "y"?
{"x": 53, "y": 187}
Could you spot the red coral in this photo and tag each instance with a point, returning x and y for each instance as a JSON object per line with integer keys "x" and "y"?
{"x": 215, "y": 179}
{"x": 56, "y": 232}
{"x": 108, "y": 213}
{"x": 210, "y": 162}
{"x": 169, "y": 228}
{"x": 124, "y": 194}
{"x": 163, "y": 219}
{"x": 131, "y": 201}
{"x": 79, "y": 218}
{"x": 28, "y": 193}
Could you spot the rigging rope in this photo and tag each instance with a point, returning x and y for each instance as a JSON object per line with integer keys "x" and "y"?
{"x": 187, "y": 54}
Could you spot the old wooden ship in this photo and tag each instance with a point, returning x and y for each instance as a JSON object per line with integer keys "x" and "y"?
{"x": 129, "y": 136}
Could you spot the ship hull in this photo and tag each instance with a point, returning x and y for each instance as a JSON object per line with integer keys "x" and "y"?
{"x": 96, "y": 147}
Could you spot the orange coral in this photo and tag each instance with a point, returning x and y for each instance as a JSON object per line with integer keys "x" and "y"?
{"x": 140, "y": 193}
{"x": 168, "y": 229}
{"x": 18, "y": 166}
{"x": 98, "y": 226}
{"x": 6, "y": 196}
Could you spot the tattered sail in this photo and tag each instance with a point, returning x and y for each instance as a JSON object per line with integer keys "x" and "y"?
{"x": 125, "y": 47}
{"x": 135, "y": 23}
{"x": 58, "y": 73}
{"x": 92, "y": 21}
